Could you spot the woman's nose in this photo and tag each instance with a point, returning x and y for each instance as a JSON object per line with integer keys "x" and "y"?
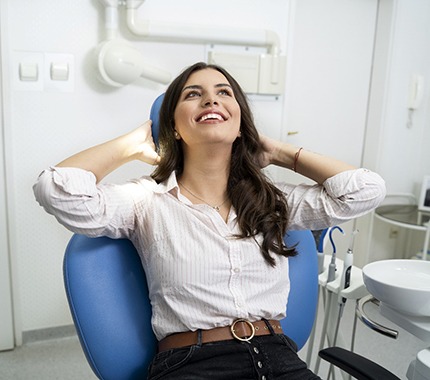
{"x": 208, "y": 101}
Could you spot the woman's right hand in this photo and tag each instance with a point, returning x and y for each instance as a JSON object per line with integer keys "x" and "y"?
{"x": 142, "y": 144}
{"x": 104, "y": 158}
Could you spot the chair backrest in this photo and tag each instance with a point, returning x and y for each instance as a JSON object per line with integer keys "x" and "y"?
{"x": 108, "y": 298}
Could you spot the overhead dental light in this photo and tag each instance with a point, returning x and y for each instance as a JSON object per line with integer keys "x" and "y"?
{"x": 119, "y": 64}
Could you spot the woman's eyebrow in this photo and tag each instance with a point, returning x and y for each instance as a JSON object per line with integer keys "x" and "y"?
{"x": 192, "y": 87}
{"x": 223, "y": 85}
{"x": 198, "y": 87}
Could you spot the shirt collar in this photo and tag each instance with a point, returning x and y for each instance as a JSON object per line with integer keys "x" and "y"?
{"x": 169, "y": 185}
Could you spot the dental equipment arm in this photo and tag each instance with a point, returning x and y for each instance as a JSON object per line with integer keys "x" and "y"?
{"x": 204, "y": 34}
{"x": 120, "y": 64}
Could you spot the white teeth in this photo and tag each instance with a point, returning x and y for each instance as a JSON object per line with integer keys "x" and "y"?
{"x": 211, "y": 116}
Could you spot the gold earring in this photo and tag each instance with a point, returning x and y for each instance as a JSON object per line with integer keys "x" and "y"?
{"x": 177, "y": 135}
{"x": 239, "y": 134}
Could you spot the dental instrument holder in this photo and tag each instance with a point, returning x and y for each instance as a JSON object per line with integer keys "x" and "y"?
{"x": 331, "y": 280}
{"x": 356, "y": 289}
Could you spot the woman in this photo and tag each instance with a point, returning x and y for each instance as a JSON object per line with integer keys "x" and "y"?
{"x": 208, "y": 225}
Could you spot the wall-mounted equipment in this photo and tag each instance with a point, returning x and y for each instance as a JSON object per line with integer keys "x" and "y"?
{"x": 257, "y": 73}
{"x": 120, "y": 64}
{"x": 415, "y": 96}
{"x": 416, "y": 91}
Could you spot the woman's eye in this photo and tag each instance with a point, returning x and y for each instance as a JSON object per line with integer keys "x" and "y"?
{"x": 225, "y": 91}
{"x": 192, "y": 94}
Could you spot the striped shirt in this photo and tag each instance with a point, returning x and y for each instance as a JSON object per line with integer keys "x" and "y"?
{"x": 200, "y": 275}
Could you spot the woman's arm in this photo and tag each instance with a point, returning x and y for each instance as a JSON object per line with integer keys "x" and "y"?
{"x": 309, "y": 164}
{"x": 343, "y": 192}
{"x": 70, "y": 191}
{"x": 104, "y": 158}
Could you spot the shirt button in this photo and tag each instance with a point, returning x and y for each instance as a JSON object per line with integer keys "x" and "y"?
{"x": 263, "y": 377}
{"x": 236, "y": 270}
{"x": 256, "y": 350}
{"x": 260, "y": 364}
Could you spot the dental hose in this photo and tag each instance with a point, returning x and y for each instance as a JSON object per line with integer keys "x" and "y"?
{"x": 332, "y": 267}
{"x": 344, "y": 283}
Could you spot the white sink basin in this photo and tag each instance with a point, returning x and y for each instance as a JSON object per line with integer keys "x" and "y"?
{"x": 403, "y": 285}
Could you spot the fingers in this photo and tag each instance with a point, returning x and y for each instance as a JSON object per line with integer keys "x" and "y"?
{"x": 156, "y": 161}
{"x": 150, "y": 156}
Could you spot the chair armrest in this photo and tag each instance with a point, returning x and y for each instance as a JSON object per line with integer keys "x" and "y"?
{"x": 356, "y": 365}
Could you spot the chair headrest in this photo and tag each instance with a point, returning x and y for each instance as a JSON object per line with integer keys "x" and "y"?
{"x": 155, "y": 117}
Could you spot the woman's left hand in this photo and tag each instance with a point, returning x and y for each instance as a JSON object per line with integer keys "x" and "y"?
{"x": 270, "y": 149}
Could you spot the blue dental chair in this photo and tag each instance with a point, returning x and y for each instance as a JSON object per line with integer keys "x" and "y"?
{"x": 108, "y": 298}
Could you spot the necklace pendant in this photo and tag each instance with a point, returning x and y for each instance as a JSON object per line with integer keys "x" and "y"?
{"x": 216, "y": 208}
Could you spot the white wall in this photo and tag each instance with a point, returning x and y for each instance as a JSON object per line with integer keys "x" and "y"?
{"x": 405, "y": 157}
{"x": 399, "y": 153}
{"x": 329, "y": 52}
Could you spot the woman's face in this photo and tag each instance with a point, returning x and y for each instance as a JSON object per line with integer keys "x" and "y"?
{"x": 207, "y": 111}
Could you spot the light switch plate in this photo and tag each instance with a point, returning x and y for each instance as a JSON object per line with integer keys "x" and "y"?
{"x": 56, "y": 81}
{"x": 43, "y": 62}
{"x": 28, "y": 72}
{"x": 20, "y": 60}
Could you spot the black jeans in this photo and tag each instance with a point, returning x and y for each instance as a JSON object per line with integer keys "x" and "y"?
{"x": 266, "y": 357}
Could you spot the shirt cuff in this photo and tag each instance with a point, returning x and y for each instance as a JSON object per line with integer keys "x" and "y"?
{"x": 347, "y": 182}
{"x": 74, "y": 181}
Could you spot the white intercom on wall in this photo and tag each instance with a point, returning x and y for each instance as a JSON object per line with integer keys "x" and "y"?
{"x": 416, "y": 91}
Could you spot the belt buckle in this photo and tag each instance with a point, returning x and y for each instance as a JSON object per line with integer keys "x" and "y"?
{"x": 233, "y": 332}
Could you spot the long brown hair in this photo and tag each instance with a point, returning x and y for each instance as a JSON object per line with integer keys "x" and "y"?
{"x": 260, "y": 206}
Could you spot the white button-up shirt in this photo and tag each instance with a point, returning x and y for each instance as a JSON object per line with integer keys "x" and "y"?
{"x": 200, "y": 275}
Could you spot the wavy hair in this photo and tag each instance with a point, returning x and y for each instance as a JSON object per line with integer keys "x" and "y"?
{"x": 260, "y": 206}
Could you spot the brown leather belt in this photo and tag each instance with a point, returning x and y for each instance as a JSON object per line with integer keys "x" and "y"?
{"x": 241, "y": 329}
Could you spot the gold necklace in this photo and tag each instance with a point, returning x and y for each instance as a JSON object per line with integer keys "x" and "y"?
{"x": 216, "y": 208}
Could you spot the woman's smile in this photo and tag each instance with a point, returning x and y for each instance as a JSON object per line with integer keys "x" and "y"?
{"x": 211, "y": 117}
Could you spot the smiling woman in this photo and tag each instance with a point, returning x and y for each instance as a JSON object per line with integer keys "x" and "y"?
{"x": 209, "y": 225}
{"x": 211, "y": 104}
